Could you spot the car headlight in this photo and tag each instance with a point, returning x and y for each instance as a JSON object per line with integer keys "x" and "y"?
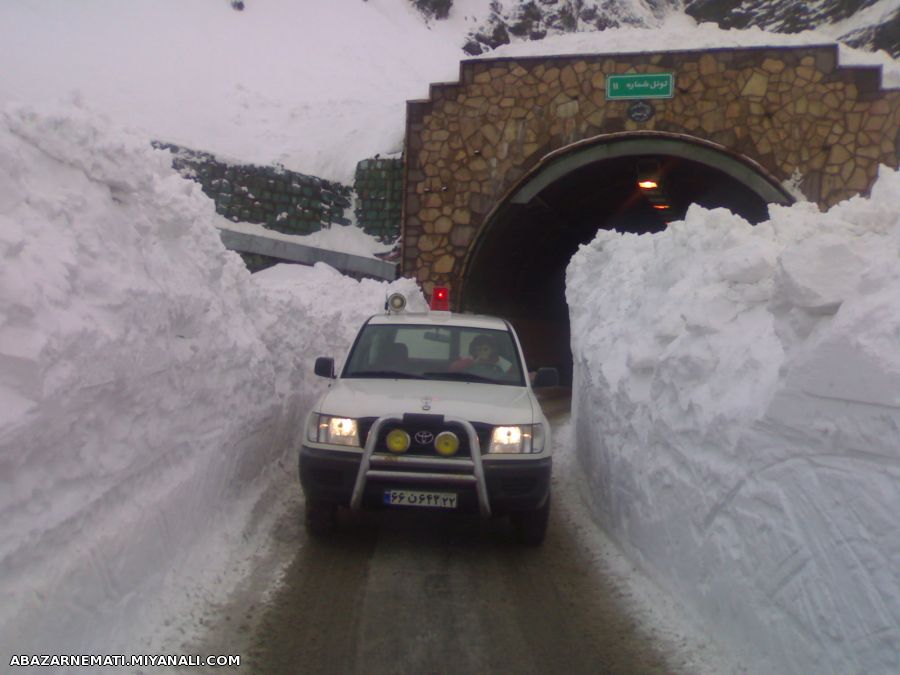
{"x": 524, "y": 438}
{"x": 334, "y": 430}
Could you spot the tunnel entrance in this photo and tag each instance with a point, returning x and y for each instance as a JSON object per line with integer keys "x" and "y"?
{"x": 507, "y": 170}
{"x": 517, "y": 267}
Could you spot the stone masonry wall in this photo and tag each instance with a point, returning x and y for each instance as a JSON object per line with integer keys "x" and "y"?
{"x": 787, "y": 109}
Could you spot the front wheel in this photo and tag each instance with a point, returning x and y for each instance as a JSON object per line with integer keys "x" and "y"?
{"x": 530, "y": 527}
{"x": 321, "y": 518}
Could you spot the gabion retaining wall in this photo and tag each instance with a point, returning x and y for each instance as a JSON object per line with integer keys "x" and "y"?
{"x": 379, "y": 193}
{"x": 295, "y": 203}
{"x": 282, "y": 200}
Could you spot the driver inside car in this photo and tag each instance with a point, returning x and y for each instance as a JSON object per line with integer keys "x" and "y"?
{"x": 484, "y": 360}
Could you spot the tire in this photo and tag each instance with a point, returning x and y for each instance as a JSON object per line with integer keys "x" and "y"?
{"x": 530, "y": 527}
{"x": 321, "y": 518}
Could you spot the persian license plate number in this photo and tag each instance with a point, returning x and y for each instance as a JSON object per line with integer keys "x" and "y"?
{"x": 434, "y": 500}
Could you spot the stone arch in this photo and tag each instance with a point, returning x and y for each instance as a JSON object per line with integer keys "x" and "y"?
{"x": 556, "y": 165}
{"x": 516, "y": 263}
{"x": 560, "y": 162}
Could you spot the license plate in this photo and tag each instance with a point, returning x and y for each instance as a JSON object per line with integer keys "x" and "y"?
{"x": 434, "y": 500}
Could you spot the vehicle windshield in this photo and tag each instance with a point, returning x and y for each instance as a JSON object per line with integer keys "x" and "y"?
{"x": 458, "y": 353}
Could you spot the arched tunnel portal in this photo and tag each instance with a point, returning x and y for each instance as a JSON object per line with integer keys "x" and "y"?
{"x": 516, "y": 267}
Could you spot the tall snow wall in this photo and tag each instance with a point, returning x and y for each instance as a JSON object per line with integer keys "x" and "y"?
{"x": 148, "y": 383}
{"x": 737, "y": 413}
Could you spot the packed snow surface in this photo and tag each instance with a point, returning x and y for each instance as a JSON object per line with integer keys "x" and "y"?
{"x": 737, "y": 410}
{"x": 147, "y": 382}
{"x": 342, "y": 238}
{"x": 678, "y": 32}
{"x": 737, "y": 397}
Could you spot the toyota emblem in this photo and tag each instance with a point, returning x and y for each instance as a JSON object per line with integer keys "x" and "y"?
{"x": 424, "y": 437}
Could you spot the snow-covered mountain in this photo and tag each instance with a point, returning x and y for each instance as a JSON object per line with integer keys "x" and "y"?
{"x": 868, "y": 24}
{"x": 286, "y": 83}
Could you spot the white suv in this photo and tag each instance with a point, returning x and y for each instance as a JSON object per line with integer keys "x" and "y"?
{"x": 431, "y": 411}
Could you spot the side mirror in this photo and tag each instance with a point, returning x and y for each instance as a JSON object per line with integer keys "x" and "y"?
{"x": 546, "y": 377}
{"x": 324, "y": 367}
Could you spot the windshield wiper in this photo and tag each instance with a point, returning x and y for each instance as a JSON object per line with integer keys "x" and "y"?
{"x": 461, "y": 376}
{"x": 392, "y": 374}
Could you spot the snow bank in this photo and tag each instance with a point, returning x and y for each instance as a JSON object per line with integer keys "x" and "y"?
{"x": 349, "y": 239}
{"x": 316, "y": 311}
{"x": 147, "y": 382}
{"x": 679, "y": 32}
{"x": 737, "y": 410}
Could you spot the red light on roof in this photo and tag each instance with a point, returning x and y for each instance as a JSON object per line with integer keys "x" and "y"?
{"x": 440, "y": 299}
{"x": 661, "y": 207}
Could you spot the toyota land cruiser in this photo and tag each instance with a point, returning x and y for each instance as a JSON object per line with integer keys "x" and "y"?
{"x": 431, "y": 410}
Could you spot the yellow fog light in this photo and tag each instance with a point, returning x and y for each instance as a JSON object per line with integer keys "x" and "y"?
{"x": 397, "y": 441}
{"x": 446, "y": 443}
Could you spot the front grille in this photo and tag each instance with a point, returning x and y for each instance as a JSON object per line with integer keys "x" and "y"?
{"x": 482, "y": 430}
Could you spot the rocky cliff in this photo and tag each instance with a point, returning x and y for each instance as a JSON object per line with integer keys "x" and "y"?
{"x": 868, "y": 24}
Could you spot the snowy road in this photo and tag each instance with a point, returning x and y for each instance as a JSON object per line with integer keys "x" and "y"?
{"x": 403, "y": 593}
{"x": 407, "y": 592}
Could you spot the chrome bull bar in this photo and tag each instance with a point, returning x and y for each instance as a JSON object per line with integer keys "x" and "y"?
{"x": 468, "y": 471}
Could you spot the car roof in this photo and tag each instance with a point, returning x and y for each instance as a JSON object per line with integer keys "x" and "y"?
{"x": 440, "y": 319}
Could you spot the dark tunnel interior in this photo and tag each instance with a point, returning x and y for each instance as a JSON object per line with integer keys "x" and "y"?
{"x": 518, "y": 269}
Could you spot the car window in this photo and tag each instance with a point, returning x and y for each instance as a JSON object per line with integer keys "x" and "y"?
{"x": 425, "y": 344}
{"x": 439, "y": 353}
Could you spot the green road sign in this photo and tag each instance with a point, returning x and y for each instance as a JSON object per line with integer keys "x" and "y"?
{"x": 650, "y": 85}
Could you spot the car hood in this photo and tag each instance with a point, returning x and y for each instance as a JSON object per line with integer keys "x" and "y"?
{"x": 476, "y": 402}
